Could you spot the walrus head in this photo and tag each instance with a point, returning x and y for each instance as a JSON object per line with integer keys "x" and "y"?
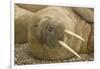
{"x": 53, "y": 33}
{"x": 50, "y": 31}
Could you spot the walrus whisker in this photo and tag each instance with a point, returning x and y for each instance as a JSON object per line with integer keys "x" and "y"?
{"x": 75, "y": 35}
{"x": 68, "y": 48}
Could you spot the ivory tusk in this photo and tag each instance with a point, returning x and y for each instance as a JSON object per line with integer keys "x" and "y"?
{"x": 65, "y": 38}
{"x": 68, "y": 48}
{"x": 75, "y": 35}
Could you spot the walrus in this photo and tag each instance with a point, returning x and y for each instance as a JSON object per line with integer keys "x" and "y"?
{"x": 30, "y": 7}
{"x": 86, "y": 13}
{"x": 22, "y": 18}
{"x": 58, "y": 34}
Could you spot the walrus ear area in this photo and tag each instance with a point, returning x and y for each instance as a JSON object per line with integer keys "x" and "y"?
{"x": 33, "y": 25}
{"x": 36, "y": 20}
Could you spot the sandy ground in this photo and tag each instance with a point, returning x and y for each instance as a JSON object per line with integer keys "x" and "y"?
{"x": 23, "y": 56}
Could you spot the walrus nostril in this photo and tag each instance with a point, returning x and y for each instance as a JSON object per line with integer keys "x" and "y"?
{"x": 50, "y": 29}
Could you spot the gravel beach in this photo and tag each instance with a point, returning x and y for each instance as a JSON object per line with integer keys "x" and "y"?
{"x": 23, "y": 56}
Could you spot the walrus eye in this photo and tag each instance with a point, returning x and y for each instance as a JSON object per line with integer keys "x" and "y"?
{"x": 50, "y": 29}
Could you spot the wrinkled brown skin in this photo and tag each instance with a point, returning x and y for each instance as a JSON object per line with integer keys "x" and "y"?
{"x": 87, "y": 14}
{"x": 41, "y": 42}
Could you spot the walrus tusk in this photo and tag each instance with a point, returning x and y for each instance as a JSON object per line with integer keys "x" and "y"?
{"x": 73, "y": 34}
{"x": 65, "y": 38}
{"x": 68, "y": 48}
